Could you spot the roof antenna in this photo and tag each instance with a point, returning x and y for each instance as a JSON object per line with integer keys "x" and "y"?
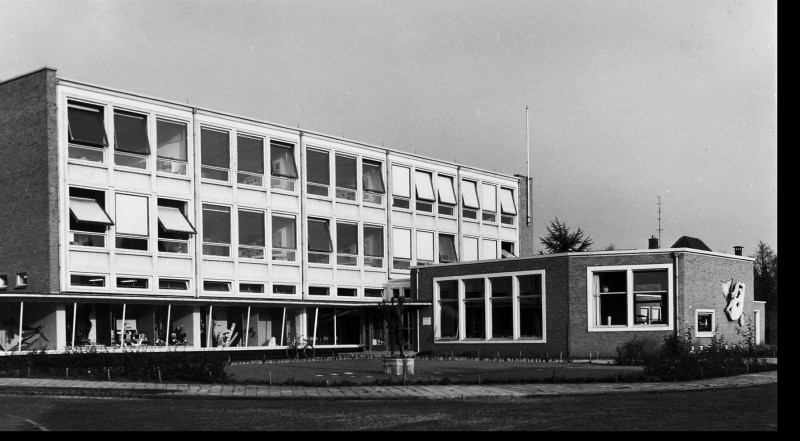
{"x": 659, "y": 220}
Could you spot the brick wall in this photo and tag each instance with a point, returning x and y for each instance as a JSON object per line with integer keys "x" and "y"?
{"x": 582, "y": 342}
{"x": 555, "y": 306}
{"x": 701, "y": 277}
{"x": 527, "y": 241}
{"x": 29, "y": 182}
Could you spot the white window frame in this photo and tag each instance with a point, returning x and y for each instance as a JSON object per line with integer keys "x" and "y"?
{"x": 630, "y": 326}
{"x": 213, "y": 168}
{"x": 437, "y": 338}
{"x": 410, "y": 247}
{"x": 121, "y": 210}
{"x": 418, "y": 248}
{"x": 103, "y": 287}
{"x": 405, "y": 194}
{"x": 697, "y": 313}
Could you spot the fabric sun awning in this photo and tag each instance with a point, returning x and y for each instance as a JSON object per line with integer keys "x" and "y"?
{"x": 507, "y": 205}
{"x": 88, "y": 210}
{"x": 445, "y": 186}
{"x": 424, "y": 186}
{"x": 172, "y": 219}
{"x": 469, "y": 193}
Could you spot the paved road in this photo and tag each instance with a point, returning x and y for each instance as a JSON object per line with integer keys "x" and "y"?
{"x": 122, "y": 389}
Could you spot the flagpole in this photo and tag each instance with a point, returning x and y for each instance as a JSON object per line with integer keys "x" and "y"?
{"x": 528, "y": 165}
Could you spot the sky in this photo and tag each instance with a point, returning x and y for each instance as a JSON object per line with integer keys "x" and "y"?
{"x": 642, "y": 114}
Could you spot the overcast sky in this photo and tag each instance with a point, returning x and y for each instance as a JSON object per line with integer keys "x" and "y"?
{"x": 629, "y": 99}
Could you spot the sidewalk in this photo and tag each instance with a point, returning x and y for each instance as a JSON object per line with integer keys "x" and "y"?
{"x": 60, "y": 387}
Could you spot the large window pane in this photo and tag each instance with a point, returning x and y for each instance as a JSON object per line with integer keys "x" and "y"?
{"x": 611, "y": 299}
{"x": 319, "y": 237}
{"x": 469, "y": 194}
{"x": 530, "y": 306}
{"x": 489, "y": 250}
{"x": 650, "y": 297}
{"x": 424, "y": 246}
{"x": 401, "y": 248}
{"x": 347, "y": 243}
{"x": 373, "y": 246}
{"x": 130, "y": 133}
{"x": 447, "y": 248}
{"x": 507, "y": 203}
{"x": 282, "y": 157}
{"x": 346, "y": 172}
{"x": 250, "y": 154}
{"x": 502, "y": 309}
{"x": 448, "y": 309}
{"x": 171, "y": 139}
{"x": 215, "y": 148}
{"x": 474, "y": 308}
{"x": 251, "y": 234}
{"x": 372, "y": 176}
{"x": 216, "y": 230}
{"x": 470, "y": 249}
{"x": 401, "y": 181}
{"x": 319, "y": 167}
{"x": 284, "y": 241}
{"x": 86, "y": 125}
{"x": 132, "y": 215}
{"x": 489, "y": 194}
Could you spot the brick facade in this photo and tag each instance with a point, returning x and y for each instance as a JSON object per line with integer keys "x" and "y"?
{"x": 29, "y": 189}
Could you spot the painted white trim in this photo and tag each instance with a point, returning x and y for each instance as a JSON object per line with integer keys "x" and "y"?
{"x": 629, "y": 269}
{"x": 697, "y": 313}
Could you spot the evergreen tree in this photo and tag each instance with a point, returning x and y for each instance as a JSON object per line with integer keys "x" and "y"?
{"x": 559, "y": 239}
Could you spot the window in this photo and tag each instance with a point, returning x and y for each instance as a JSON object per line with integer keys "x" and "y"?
{"x": 171, "y": 140}
{"x": 401, "y": 186}
{"x": 372, "y": 179}
{"x": 474, "y": 308}
{"x": 250, "y": 160}
{"x": 705, "y": 322}
{"x": 284, "y": 171}
{"x": 251, "y": 288}
{"x": 215, "y": 155}
{"x": 174, "y": 228}
{"x": 319, "y": 241}
{"x": 132, "y": 146}
{"x": 630, "y": 297}
{"x": 252, "y": 236}
{"x": 507, "y": 250}
{"x": 346, "y": 292}
{"x": 470, "y": 249}
{"x": 346, "y": 178}
{"x": 318, "y": 291}
{"x": 22, "y": 280}
{"x": 531, "y": 315}
{"x": 87, "y": 280}
{"x": 283, "y": 289}
{"x": 373, "y": 246}
{"x": 448, "y": 309}
{"x": 489, "y": 194}
{"x": 424, "y": 186}
{"x": 508, "y": 206}
{"x": 469, "y": 196}
{"x": 132, "y": 222}
{"x": 346, "y": 244}
{"x": 133, "y": 282}
{"x": 3, "y": 282}
{"x": 216, "y": 230}
{"x": 447, "y": 248}
{"x": 447, "y": 196}
{"x": 319, "y": 172}
{"x": 88, "y": 219}
{"x": 373, "y": 292}
{"x": 502, "y": 315}
{"x": 424, "y": 247}
{"x": 489, "y": 250}
{"x": 505, "y": 306}
{"x": 87, "y": 133}
{"x": 173, "y": 284}
{"x": 401, "y": 244}
{"x": 284, "y": 238}
{"x": 216, "y": 286}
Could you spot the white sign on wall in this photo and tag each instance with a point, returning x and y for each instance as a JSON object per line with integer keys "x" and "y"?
{"x": 426, "y": 321}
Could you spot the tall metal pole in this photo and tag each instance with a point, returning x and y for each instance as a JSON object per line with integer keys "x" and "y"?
{"x": 528, "y": 165}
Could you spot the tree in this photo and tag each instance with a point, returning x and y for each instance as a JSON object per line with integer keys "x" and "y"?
{"x": 765, "y": 273}
{"x": 560, "y": 240}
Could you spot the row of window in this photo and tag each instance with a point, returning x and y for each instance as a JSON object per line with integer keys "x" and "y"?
{"x": 173, "y": 284}
{"x": 87, "y": 139}
{"x": 502, "y": 307}
{"x": 21, "y": 281}
{"x": 89, "y": 221}
{"x": 426, "y": 195}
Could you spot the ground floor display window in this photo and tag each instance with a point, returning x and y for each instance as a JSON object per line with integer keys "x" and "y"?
{"x": 620, "y": 298}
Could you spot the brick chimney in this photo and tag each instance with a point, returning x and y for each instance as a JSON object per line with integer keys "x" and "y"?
{"x": 653, "y": 243}
{"x": 738, "y": 250}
